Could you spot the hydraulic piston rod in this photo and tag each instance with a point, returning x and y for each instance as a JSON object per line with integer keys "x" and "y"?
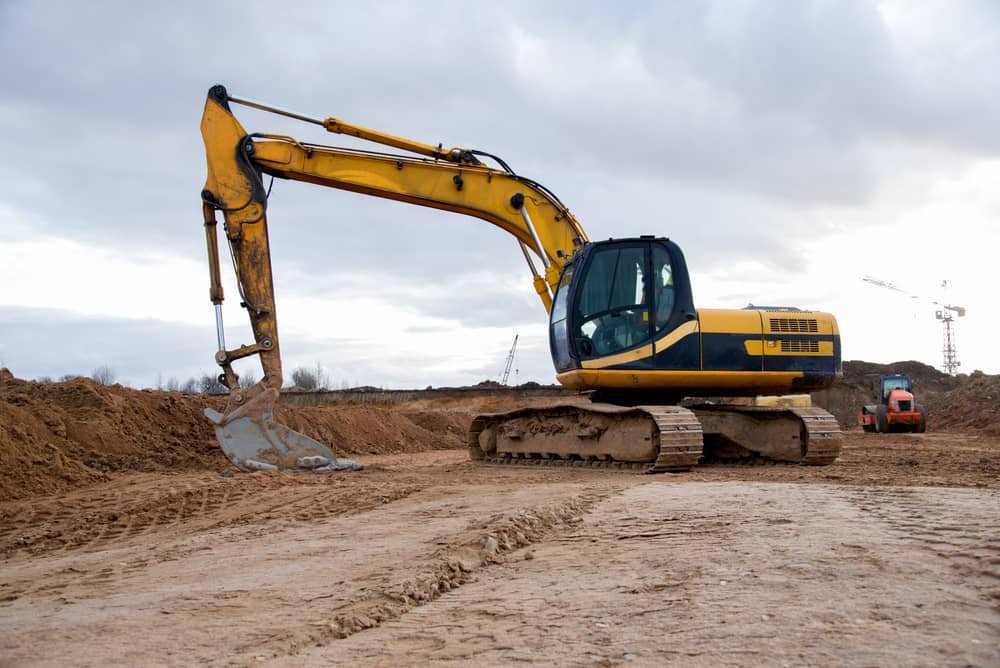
{"x": 216, "y": 293}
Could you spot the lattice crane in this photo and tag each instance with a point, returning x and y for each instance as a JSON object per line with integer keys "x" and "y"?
{"x": 510, "y": 361}
{"x": 946, "y": 314}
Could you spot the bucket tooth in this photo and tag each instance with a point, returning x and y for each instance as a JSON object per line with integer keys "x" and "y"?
{"x": 253, "y": 441}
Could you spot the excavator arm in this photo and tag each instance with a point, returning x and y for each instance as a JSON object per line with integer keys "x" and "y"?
{"x": 452, "y": 180}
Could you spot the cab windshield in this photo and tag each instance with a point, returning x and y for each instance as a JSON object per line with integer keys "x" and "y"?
{"x": 612, "y": 311}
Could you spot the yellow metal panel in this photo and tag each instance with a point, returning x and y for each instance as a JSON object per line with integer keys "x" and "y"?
{"x": 222, "y": 133}
{"x": 275, "y": 152}
{"x": 729, "y": 321}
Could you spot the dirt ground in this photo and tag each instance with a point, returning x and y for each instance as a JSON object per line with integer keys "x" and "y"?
{"x": 891, "y": 556}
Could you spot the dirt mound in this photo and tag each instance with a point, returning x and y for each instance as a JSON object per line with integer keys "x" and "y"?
{"x": 971, "y": 406}
{"x": 366, "y": 430}
{"x": 59, "y": 436}
{"x": 926, "y": 379}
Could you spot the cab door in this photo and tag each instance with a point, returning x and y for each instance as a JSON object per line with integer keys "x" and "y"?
{"x": 676, "y": 343}
{"x": 611, "y": 313}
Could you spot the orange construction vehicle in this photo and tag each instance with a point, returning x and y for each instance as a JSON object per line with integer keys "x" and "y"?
{"x": 896, "y": 410}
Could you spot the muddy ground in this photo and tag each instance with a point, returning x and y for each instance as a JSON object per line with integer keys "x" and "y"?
{"x": 128, "y": 547}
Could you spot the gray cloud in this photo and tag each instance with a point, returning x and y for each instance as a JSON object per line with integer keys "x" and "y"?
{"x": 720, "y": 124}
{"x": 40, "y": 342}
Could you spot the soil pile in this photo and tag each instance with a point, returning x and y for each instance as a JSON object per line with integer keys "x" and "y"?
{"x": 59, "y": 436}
{"x": 926, "y": 379}
{"x": 971, "y": 406}
{"x": 372, "y": 430}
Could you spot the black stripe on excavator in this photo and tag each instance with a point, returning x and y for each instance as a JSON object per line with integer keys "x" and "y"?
{"x": 685, "y": 355}
{"x": 727, "y": 352}
{"x": 808, "y": 364}
{"x": 682, "y": 356}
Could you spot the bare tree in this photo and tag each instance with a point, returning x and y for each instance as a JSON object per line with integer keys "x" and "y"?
{"x": 210, "y": 384}
{"x": 248, "y": 379}
{"x": 314, "y": 378}
{"x": 305, "y": 379}
{"x": 322, "y": 378}
{"x": 104, "y": 375}
{"x": 173, "y": 385}
{"x": 190, "y": 386}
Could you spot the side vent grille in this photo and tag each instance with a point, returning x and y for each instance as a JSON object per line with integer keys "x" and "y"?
{"x": 800, "y": 346}
{"x": 794, "y": 325}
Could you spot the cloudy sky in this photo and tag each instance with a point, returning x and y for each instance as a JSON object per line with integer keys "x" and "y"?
{"x": 790, "y": 148}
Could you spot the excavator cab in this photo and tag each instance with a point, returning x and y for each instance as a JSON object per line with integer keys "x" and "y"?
{"x": 615, "y": 300}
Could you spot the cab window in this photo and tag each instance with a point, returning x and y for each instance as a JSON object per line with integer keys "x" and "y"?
{"x": 612, "y": 307}
{"x": 562, "y": 292}
{"x": 663, "y": 286}
{"x": 559, "y": 329}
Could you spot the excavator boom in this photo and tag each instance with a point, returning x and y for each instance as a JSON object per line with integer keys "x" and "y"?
{"x": 452, "y": 180}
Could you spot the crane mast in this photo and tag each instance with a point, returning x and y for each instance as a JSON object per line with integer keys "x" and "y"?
{"x": 509, "y": 362}
{"x": 946, "y": 314}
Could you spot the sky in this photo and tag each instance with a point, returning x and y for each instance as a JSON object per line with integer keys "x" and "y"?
{"x": 789, "y": 148}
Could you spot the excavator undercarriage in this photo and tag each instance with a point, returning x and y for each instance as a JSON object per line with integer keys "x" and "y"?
{"x": 654, "y": 439}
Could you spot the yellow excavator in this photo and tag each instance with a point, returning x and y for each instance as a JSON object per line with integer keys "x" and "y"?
{"x": 670, "y": 385}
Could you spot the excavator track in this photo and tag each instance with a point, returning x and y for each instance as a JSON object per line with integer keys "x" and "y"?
{"x": 797, "y": 435}
{"x": 823, "y": 437}
{"x": 669, "y": 438}
{"x": 681, "y": 439}
{"x": 673, "y": 442}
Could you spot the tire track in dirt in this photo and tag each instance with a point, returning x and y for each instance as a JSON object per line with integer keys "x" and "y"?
{"x": 951, "y": 526}
{"x": 92, "y": 519}
{"x": 449, "y": 568}
{"x": 269, "y": 589}
{"x": 729, "y": 574}
{"x": 138, "y": 507}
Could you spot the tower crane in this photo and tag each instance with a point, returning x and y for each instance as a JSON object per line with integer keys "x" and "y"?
{"x": 946, "y": 314}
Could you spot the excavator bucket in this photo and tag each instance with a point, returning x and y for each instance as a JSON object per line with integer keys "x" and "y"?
{"x": 253, "y": 441}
